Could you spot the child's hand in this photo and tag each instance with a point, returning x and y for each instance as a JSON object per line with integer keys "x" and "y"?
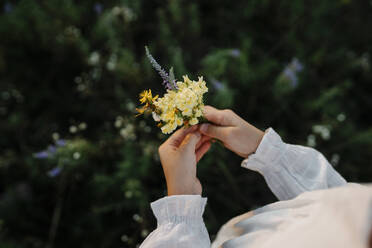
{"x": 179, "y": 155}
{"x": 237, "y": 135}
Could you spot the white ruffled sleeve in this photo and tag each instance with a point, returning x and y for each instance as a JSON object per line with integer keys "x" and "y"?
{"x": 290, "y": 170}
{"x": 180, "y": 223}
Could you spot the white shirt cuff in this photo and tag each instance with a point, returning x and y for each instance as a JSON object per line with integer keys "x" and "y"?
{"x": 269, "y": 150}
{"x": 179, "y": 208}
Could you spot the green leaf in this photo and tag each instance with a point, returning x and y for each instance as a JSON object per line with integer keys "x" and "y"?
{"x": 171, "y": 74}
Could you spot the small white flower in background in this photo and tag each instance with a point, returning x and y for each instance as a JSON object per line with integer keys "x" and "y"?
{"x": 144, "y": 233}
{"x": 73, "y": 129}
{"x": 76, "y": 155}
{"x": 341, "y": 117}
{"x": 118, "y": 122}
{"x": 323, "y": 130}
{"x": 124, "y": 238}
{"x": 128, "y": 132}
{"x": 94, "y": 58}
{"x": 364, "y": 61}
{"x": 126, "y": 12}
{"x": 82, "y": 126}
{"x": 128, "y": 194}
{"x": 335, "y": 159}
{"x": 111, "y": 63}
{"x": 137, "y": 218}
{"x": 55, "y": 136}
{"x": 311, "y": 140}
{"x": 131, "y": 106}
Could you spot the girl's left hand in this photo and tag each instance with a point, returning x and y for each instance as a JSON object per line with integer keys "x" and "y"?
{"x": 179, "y": 155}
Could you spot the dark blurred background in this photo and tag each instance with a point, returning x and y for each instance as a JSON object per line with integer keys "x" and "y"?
{"x": 77, "y": 169}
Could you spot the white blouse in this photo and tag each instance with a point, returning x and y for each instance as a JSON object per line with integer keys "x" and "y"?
{"x": 324, "y": 217}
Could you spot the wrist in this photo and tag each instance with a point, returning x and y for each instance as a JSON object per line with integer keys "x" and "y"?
{"x": 179, "y": 188}
{"x": 253, "y": 139}
{"x": 259, "y": 136}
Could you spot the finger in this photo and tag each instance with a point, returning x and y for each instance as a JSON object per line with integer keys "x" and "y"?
{"x": 202, "y": 141}
{"x": 202, "y": 150}
{"x": 219, "y": 117}
{"x": 177, "y": 138}
{"x": 213, "y": 131}
{"x": 190, "y": 141}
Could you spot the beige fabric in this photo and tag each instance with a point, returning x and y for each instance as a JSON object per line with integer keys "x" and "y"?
{"x": 229, "y": 230}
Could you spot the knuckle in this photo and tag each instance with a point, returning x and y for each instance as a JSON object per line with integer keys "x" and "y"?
{"x": 228, "y": 111}
{"x": 221, "y": 118}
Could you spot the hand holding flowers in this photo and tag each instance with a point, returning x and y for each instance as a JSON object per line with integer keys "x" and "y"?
{"x": 235, "y": 133}
{"x": 183, "y": 105}
{"x": 179, "y": 155}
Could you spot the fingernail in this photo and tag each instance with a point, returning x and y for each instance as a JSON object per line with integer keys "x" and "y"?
{"x": 204, "y": 128}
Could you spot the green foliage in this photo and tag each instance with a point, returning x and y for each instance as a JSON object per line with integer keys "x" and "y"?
{"x": 72, "y": 70}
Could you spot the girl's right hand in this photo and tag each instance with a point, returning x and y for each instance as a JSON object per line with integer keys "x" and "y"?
{"x": 235, "y": 133}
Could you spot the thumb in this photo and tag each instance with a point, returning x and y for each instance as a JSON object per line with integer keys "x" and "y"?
{"x": 190, "y": 141}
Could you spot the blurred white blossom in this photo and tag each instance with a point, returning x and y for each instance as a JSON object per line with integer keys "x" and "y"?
{"x": 55, "y": 136}
{"x": 111, "y": 63}
{"x": 124, "y": 238}
{"x": 130, "y": 106}
{"x": 118, "y": 122}
{"x": 341, "y": 117}
{"x": 335, "y": 159}
{"x": 76, "y": 155}
{"x": 137, "y": 218}
{"x": 82, "y": 126}
{"x": 128, "y": 132}
{"x": 125, "y": 12}
{"x": 144, "y": 233}
{"x": 94, "y": 58}
{"x": 73, "y": 129}
{"x": 128, "y": 194}
{"x": 323, "y": 130}
{"x": 311, "y": 140}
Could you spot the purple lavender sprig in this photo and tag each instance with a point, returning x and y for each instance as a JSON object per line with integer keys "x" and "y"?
{"x": 167, "y": 81}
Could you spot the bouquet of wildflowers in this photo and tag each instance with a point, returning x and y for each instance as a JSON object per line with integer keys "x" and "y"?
{"x": 181, "y": 105}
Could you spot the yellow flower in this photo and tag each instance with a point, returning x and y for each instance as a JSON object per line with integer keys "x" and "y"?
{"x": 146, "y": 96}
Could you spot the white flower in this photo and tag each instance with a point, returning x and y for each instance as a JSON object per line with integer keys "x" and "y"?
{"x": 82, "y": 126}
{"x": 155, "y": 116}
{"x": 73, "y": 129}
{"x": 55, "y": 136}
{"x": 76, "y": 155}
{"x": 94, "y": 58}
